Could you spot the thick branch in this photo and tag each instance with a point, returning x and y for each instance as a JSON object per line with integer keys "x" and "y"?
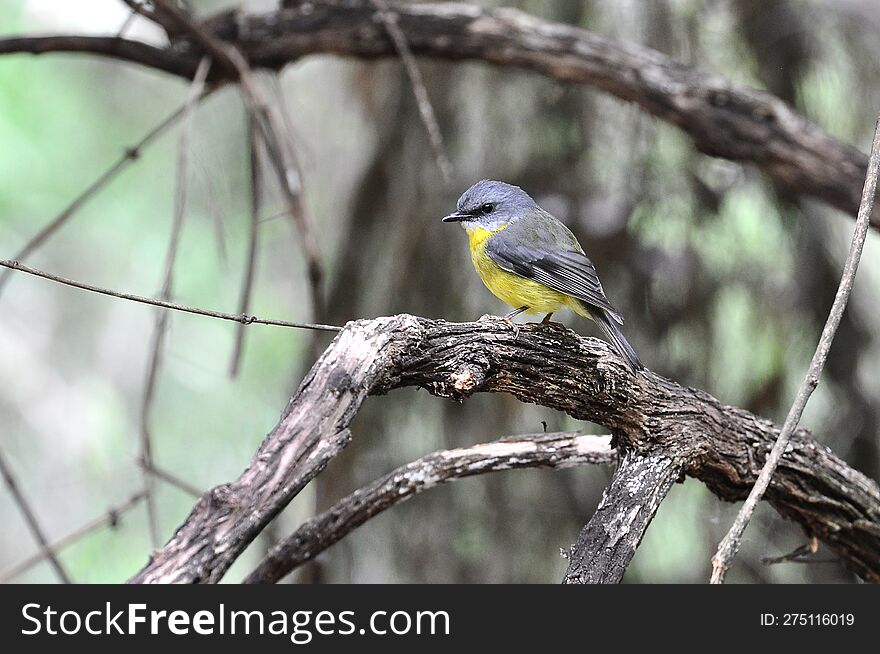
{"x": 312, "y": 430}
{"x": 559, "y": 450}
{"x": 723, "y": 446}
{"x": 609, "y": 540}
{"x": 723, "y": 119}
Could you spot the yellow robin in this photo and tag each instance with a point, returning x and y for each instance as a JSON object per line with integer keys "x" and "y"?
{"x": 533, "y": 262}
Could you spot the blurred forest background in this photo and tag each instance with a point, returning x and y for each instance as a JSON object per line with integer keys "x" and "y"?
{"x": 724, "y": 280}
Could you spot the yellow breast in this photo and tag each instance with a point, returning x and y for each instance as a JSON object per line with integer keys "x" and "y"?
{"x": 510, "y": 288}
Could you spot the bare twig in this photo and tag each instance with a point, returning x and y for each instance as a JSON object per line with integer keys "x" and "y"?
{"x": 138, "y": 7}
{"x": 161, "y": 327}
{"x": 730, "y": 543}
{"x": 554, "y": 450}
{"x": 111, "y": 518}
{"x": 173, "y": 480}
{"x": 278, "y": 144}
{"x": 251, "y": 263}
{"x": 798, "y": 555}
{"x": 724, "y": 119}
{"x": 281, "y": 154}
{"x": 243, "y": 319}
{"x": 129, "y": 155}
{"x": 420, "y": 91}
{"x": 217, "y": 212}
{"x": 31, "y": 518}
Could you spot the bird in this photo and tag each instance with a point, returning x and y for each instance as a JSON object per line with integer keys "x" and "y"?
{"x": 530, "y": 260}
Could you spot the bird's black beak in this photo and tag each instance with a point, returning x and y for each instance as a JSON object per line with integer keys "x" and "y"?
{"x": 456, "y": 217}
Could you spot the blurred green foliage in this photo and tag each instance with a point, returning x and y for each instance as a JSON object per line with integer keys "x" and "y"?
{"x": 723, "y": 281}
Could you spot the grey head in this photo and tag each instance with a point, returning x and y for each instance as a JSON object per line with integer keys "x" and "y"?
{"x": 491, "y": 205}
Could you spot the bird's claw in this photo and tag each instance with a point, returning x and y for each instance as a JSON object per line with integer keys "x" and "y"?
{"x": 513, "y": 326}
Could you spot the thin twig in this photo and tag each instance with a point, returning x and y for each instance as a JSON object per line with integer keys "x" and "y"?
{"x": 554, "y": 450}
{"x": 32, "y": 522}
{"x": 217, "y": 214}
{"x": 279, "y": 128}
{"x": 161, "y": 328}
{"x": 173, "y": 480}
{"x": 730, "y": 543}
{"x": 284, "y": 161}
{"x": 110, "y": 517}
{"x": 129, "y": 155}
{"x": 251, "y": 264}
{"x": 138, "y": 7}
{"x": 243, "y": 319}
{"x": 420, "y": 91}
{"x": 799, "y": 555}
{"x": 278, "y": 144}
{"x": 724, "y": 119}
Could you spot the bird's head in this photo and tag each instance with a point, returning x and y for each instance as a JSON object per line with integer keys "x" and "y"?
{"x": 490, "y": 205}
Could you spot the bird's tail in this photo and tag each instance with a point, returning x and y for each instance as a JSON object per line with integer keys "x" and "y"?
{"x": 612, "y": 332}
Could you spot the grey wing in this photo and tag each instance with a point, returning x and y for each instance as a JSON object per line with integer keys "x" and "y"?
{"x": 568, "y": 271}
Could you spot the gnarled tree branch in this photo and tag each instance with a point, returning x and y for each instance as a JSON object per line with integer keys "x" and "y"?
{"x": 312, "y": 430}
{"x": 558, "y": 450}
{"x": 722, "y": 446}
{"x": 724, "y": 119}
{"x": 609, "y": 540}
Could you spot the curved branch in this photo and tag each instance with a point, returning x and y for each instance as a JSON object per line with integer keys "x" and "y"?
{"x": 722, "y": 446}
{"x": 557, "y": 450}
{"x": 313, "y": 429}
{"x": 609, "y": 540}
{"x": 724, "y": 119}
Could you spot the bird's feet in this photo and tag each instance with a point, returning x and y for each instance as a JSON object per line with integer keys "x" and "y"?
{"x": 508, "y": 318}
{"x": 546, "y": 321}
{"x": 513, "y": 326}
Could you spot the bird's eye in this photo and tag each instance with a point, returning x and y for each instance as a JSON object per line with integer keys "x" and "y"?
{"x": 487, "y": 208}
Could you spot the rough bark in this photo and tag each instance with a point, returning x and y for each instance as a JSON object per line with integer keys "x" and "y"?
{"x": 723, "y": 446}
{"x": 557, "y": 450}
{"x": 312, "y": 430}
{"x": 609, "y": 540}
{"x": 724, "y": 119}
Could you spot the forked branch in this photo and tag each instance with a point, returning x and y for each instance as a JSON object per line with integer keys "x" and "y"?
{"x": 547, "y": 365}
{"x": 558, "y": 450}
